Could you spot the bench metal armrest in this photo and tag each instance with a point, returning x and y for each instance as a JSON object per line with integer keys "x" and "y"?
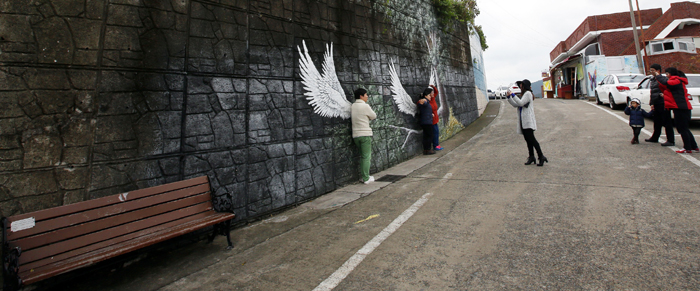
{"x": 223, "y": 203}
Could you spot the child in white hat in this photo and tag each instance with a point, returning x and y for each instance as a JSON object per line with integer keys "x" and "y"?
{"x": 637, "y": 114}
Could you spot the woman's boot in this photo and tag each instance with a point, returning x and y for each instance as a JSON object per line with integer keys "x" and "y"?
{"x": 543, "y": 160}
{"x": 530, "y": 160}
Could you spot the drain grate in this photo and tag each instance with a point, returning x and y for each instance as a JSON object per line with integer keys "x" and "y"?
{"x": 390, "y": 178}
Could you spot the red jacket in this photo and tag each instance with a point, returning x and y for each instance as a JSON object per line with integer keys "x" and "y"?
{"x": 675, "y": 95}
{"x": 436, "y": 118}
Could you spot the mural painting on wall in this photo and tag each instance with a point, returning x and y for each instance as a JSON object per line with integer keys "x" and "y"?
{"x": 596, "y": 70}
{"x": 404, "y": 101}
{"x": 325, "y": 93}
{"x": 448, "y": 125}
{"x": 593, "y": 79}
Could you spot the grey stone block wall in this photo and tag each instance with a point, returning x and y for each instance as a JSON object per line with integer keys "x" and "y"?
{"x": 99, "y": 97}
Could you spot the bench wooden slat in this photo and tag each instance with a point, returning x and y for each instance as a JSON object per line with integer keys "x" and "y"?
{"x": 67, "y": 245}
{"x": 100, "y": 202}
{"x": 115, "y": 241}
{"x": 103, "y": 254}
{"x": 109, "y": 210}
{"x": 47, "y": 238}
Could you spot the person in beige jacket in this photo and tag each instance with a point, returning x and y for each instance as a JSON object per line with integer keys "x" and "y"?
{"x": 361, "y": 114}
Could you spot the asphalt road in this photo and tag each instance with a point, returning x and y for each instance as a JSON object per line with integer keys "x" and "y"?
{"x": 602, "y": 214}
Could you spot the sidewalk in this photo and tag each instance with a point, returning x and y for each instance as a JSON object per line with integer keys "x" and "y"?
{"x": 165, "y": 268}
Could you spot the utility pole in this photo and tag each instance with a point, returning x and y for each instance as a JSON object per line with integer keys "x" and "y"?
{"x": 641, "y": 27}
{"x": 636, "y": 39}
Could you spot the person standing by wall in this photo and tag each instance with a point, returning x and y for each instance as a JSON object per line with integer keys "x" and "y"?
{"x": 675, "y": 99}
{"x": 662, "y": 117}
{"x": 361, "y": 114}
{"x": 436, "y": 119}
{"x": 526, "y": 121}
{"x": 427, "y": 118}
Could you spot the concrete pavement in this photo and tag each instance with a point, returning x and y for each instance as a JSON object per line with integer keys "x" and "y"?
{"x": 603, "y": 214}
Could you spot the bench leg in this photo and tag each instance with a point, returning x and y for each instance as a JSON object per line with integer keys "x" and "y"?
{"x": 11, "y": 280}
{"x": 224, "y": 229}
{"x": 227, "y": 230}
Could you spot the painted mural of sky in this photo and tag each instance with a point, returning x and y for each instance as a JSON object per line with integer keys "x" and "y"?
{"x": 521, "y": 34}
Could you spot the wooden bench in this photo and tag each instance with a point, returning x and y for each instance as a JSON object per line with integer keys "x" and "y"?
{"x": 53, "y": 241}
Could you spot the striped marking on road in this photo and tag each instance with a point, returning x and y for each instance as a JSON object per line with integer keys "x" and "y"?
{"x": 350, "y": 265}
{"x": 649, "y": 133}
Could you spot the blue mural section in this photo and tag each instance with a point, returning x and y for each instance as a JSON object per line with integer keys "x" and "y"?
{"x": 478, "y": 68}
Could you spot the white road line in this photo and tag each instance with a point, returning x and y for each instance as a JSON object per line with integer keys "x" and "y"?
{"x": 349, "y": 265}
{"x": 674, "y": 149}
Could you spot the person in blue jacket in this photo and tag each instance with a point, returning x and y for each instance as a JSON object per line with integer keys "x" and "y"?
{"x": 426, "y": 120}
{"x": 637, "y": 115}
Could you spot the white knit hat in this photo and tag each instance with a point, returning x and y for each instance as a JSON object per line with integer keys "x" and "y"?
{"x": 636, "y": 100}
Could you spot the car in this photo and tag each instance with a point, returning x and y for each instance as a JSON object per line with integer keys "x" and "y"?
{"x": 501, "y": 91}
{"x": 514, "y": 88}
{"x": 491, "y": 94}
{"x": 643, "y": 92}
{"x": 613, "y": 89}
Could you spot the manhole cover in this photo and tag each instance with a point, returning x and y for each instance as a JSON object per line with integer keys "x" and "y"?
{"x": 390, "y": 178}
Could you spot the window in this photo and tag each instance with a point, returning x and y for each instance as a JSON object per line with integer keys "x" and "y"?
{"x": 644, "y": 84}
{"x": 672, "y": 45}
{"x": 629, "y": 78}
{"x": 693, "y": 82}
{"x": 668, "y": 46}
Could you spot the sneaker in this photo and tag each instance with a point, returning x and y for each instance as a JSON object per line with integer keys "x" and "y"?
{"x": 696, "y": 150}
{"x": 438, "y": 148}
{"x": 371, "y": 179}
{"x": 684, "y": 152}
{"x": 650, "y": 140}
{"x": 668, "y": 144}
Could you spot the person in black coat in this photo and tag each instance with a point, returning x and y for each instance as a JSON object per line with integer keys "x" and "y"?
{"x": 637, "y": 115}
{"x": 426, "y": 120}
{"x": 662, "y": 118}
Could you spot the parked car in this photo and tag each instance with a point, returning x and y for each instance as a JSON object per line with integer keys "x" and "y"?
{"x": 501, "y": 91}
{"x": 514, "y": 88}
{"x": 614, "y": 88}
{"x": 491, "y": 94}
{"x": 642, "y": 91}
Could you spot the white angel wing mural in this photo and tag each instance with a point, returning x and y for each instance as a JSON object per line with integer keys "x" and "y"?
{"x": 401, "y": 97}
{"x": 323, "y": 90}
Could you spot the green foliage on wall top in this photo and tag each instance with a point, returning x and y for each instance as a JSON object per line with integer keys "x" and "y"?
{"x": 452, "y": 12}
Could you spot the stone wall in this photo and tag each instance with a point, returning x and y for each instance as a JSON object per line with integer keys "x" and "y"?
{"x": 101, "y": 97}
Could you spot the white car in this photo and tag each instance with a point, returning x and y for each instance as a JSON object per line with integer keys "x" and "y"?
{"x": 491, "y": 94}
{"x": 501, "y": 91}
{"x": 643, "y": 92}
{"x": 514, "y": 88}
{"x": 614, "y": 88}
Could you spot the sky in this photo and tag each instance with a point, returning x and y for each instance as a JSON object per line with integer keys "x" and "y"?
{"x": 521, "y": 34}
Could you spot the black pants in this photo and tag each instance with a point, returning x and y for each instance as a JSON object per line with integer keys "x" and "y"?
{"x": 427, "y": 136}
{"x": 662, "y": 119}
{"x": 636, "y": 131}
{"x": 532, "y": 143}
{"x": 682, "y": 118}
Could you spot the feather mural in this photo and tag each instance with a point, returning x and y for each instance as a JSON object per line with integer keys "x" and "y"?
{"x": 323, "y": 90}
{"x": 401, "y": 97}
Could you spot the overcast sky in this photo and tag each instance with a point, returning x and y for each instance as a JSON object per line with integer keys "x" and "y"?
{"x": 521, "y": 34}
